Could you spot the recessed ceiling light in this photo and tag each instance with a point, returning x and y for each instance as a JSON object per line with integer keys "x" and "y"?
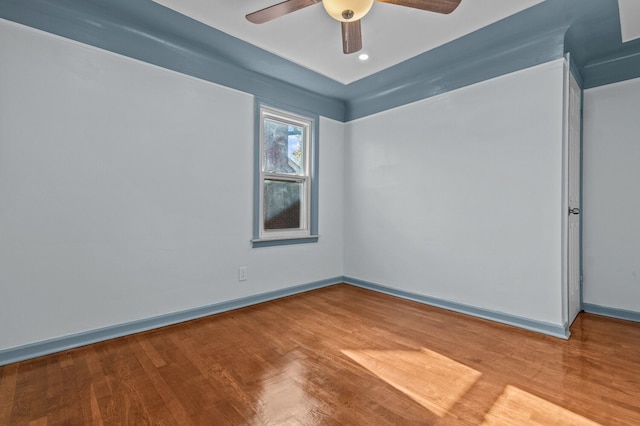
{"x": 363, "y": 57}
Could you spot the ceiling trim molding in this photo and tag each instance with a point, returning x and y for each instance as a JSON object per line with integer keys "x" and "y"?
{"x": 147, "y": 31}
{"x": 465, "y": 62}
{"x": 611, "y": 70}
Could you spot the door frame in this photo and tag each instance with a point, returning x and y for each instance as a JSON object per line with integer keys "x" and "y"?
{"x": 566, "y": 302}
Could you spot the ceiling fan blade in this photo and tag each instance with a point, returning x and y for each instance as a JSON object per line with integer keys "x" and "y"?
{"x": 437, "y": 6}
{"x": 351, "y": 36}
{"x": 277, "y": 10}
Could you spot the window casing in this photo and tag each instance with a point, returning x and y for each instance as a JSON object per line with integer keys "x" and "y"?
{"x": 286, "y": 178}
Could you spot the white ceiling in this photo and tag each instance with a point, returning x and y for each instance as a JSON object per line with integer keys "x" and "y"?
{"x": 309, "y": 37}
{"x": 629, "y": 19}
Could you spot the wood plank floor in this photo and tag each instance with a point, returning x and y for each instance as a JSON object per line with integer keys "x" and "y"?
{"x": 336, "y": 356}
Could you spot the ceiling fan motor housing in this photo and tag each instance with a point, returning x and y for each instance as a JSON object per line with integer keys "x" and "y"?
{"x": 347, "y": 10}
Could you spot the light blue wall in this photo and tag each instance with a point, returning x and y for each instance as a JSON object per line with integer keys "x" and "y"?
{"x": 459, "y": 196}
{"x": 611, "y": 199}
{"x": 126, "y": 193}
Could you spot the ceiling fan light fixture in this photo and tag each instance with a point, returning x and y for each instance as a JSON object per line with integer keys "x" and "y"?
{"x": 347, "y": 10}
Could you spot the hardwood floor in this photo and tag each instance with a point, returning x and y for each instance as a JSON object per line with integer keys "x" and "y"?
{"x": 336, "y": 356}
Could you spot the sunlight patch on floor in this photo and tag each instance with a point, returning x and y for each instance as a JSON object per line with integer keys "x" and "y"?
{"x": 517, "y": 407}
{"x": 284, "y": 401}
{"x": 432, "y": 380}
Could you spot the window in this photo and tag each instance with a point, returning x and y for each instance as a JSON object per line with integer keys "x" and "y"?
{"x": 286, "y": 177}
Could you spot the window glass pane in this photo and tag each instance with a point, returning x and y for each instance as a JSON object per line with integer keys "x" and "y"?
{"x": 282, "y": 205}
{"x": 283, "y": 148}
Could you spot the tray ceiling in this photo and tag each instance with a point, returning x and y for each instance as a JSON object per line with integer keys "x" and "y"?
{"x": 310, "y": 38}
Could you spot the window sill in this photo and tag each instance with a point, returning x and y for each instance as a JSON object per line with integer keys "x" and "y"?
{"x": 284, "y": 241}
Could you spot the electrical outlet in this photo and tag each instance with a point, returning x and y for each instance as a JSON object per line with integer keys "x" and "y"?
{"x": 242, "y": 273}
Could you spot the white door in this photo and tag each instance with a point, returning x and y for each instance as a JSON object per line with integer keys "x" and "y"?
{"x": 573, "y": 246}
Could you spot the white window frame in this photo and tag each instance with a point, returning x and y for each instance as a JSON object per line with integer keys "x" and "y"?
{"x": 305, "y": 233}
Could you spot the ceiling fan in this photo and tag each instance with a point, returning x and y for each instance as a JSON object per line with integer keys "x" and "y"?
{"x": 349, "y": 13}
